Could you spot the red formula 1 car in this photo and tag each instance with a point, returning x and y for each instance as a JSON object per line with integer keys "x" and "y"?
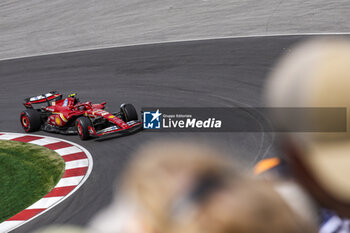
{"x": 49, "y": 112}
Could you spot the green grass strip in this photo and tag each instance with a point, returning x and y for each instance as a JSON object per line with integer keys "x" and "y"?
{"x": 27, "y": 173}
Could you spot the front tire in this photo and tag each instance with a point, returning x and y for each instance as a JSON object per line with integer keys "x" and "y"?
{"x": 82, "y": 124}
{"x": 30, "y": 120}
{"x": 129, "y": 112}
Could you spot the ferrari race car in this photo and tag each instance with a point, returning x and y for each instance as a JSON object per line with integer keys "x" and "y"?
{"x": 51, "y": 113}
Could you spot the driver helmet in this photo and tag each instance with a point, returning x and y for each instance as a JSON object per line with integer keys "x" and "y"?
{"x": 76, "y": 99}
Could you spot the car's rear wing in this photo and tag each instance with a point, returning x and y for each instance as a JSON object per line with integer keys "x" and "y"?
{"x": 51, "y": 96}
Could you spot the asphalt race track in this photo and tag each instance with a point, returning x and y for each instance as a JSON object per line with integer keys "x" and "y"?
{"x": 212, "y": 73}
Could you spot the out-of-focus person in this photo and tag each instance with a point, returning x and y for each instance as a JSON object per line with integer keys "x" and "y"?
{"x": 186, "y": 187}
{"x": 316, "y": 74}
{"x": 61, "y": 229}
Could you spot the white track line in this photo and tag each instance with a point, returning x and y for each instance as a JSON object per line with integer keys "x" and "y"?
{"x": 77, "y": 164}
{"x": 69, "y": 181}
{"x": 44, "y": 203}
{"x": 183, "y": 40}
{"x": 44, "y": 141}
{"x": 9, "y": 225}
{"x": 68, "y": 150}
{"x": 9, "y": 136}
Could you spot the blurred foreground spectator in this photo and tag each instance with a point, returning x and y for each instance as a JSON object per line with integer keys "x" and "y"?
{"x": 317, "y": 74}
{"x": 181, "y": 187}
{"x": 61, "y": 229}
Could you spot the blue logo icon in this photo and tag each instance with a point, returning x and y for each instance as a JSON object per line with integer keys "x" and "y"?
{"x": 151, "y": 120}
{"x": 65, "y": 103}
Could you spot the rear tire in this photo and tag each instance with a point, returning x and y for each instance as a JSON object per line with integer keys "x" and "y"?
{"x": 129, "y": 112}
{"x": 30, "y": 120}
{"x": 82, "y": 124}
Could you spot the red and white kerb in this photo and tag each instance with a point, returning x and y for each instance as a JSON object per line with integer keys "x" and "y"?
{"x": 78, "y": 166}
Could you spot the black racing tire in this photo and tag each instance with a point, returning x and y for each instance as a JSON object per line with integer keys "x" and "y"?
{"x": 30, "y": 120}
{"x": 82, "y": 124}
{"x": 129, "y": 112}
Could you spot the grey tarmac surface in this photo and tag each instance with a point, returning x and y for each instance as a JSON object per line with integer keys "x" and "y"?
{"x": 34, "y": 27}
{"x": 213, "y": 73}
